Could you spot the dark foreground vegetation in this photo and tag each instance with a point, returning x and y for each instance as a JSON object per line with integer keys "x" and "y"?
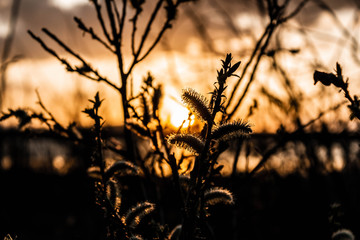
{"x": 40, "y": 202}
{"x": 44, "y": 206}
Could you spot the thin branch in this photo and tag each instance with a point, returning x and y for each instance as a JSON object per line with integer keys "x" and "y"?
{"x": 117, "y": 45}
{"x": 226, "y": 17}
{"x": 295, "y": 12}
{"x": 122, "y": 21}
{"x": 44, "y": 108}
{"x": 156, "y": 41}
{"x": 70, "y": 68}
{"x": 117, "y": 14}
{"x": 148, "y": 28}
{"x": 101, "y": 20}
{"x": 257, "y": 46}
{"x": 145, "y": 35}
{"x": 109, "y": 10}
{"x": 134, "y": 28}
{"x": 269, "y": 31}
{"x": 49, "y": 50}
{"x": 201, "y": 28}
{"x": 90, "y": 31}
{"x": 252, "y": 77}
{"x": 345, "y": 31}
{"x": 288, "y": 137}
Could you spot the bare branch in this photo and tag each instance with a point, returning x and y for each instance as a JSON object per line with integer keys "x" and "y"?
{"x": 201, "y": 28}
{"x": 101, "y": 20}
{"x": 286, "y": 138}
{"x": 345, "y": 31}
{"x": 116, "y": 43}
{"x": 156, "y": 41}
{"x": 134, "y": 28}
{"x": 147, "y": 29}
{"x": 69, "y": 67}
{"x": 122, "y": 21}
{"x": 90, "y": 31}
{"x": 257, "y": 46}
{"x": 261, "y": 53}
{"x": 295, "y": 12}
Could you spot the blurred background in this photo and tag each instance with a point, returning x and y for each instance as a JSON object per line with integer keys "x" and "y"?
{"x": 38, "y": 172}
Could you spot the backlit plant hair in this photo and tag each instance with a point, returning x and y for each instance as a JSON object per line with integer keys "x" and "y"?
{"x": 231, "y": 130}
{"x": 189, "y": 142}
{"x": 206, "y": 150}
{"x": 197, "y": 103}
{"x": 134, "y": 216}
{"x": 217, "y": 195}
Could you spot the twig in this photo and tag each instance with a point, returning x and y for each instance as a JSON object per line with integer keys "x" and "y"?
{"x": 100, "y": 18}
{"x": 257, "y": 46}
{"x": 286, "y": 138}
{"x": 252, "y": 76}
{"x": 122, "y": 21}
{"x": 145, "y": 35}
{"x": 90, "y": 31}
{"x": 201, "y": 28}
{"x": 99, "y": 78}
{"x": 134, "y": 28}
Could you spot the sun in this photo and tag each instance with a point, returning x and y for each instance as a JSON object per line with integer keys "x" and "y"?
{"x": 175, "y": 113}
{"x": 179, "y": 115}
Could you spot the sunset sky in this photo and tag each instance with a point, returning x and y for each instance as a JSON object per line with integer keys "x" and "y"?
{"x": 182, "y": 59}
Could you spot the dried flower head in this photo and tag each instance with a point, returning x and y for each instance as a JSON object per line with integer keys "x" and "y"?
{"x": 121, "y": 168}
{"x": 218, "y": 195}
{"x": 189, "y": 142}
{"x": 135, "y": 237}
{"x": 134, "y": 216}
{"x": 343, "y": 234}
{"x": 113, "y": 194}
{"x": 197, "y": 103}
{"x": 175, "y": 233}
{"x": 231, "y": 130}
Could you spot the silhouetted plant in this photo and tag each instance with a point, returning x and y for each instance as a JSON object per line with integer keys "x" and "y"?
{"x": 338, "y": 81}
{"x": 206, "y": 146}
{"x": 8, "y": 237}
{"x": 194, "y": 186}
{"x": 114, "y": 41}
{"x": 343, "y": 234}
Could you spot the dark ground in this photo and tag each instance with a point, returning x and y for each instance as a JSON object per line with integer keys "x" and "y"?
{"x": 42, "y": 206}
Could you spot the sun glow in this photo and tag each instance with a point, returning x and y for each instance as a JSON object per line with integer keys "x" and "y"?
{"x": 68, "y": 4}
{"x": 174, "y": 112}
{"x": 179, "y": 115}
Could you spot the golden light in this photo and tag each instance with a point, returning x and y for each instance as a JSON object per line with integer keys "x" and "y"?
{"x": 58, "y": 163}
{"x": 174, "y": 112}
{"x": 68, "y": 4}
{"x": 178, "y": 116}
{"x": 4, "y": 28}
{"x": 6, "y": 163}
